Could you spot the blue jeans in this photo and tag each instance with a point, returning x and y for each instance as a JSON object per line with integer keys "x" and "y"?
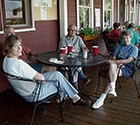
{"x": 66, "y": 89}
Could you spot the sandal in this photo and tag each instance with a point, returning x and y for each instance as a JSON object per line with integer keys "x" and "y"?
{"x": 81, "y": 102}
{"x": 67, "y": 98}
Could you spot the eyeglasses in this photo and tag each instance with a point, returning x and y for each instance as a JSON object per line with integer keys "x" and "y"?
{"x": 72, "y": 29}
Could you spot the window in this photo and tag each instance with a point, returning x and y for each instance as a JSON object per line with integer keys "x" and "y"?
{"x": 84, "y": 13}
{"x": 132, "y": 11}
{"x": 139, "y": 14}
{"x": 108, "y": 13}
{"x": 16, "y": 13}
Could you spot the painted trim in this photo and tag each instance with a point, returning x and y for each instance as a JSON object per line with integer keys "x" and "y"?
{"x": 21, "y": 30}
{"x": 103, "y": 15}
{"x": 118, "y": 10}
{"x": 92, "y": 15}
{"x": 77, "y": 5}
{"x": 63, "y": 17}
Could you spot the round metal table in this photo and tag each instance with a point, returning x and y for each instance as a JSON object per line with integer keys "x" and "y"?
{"x": 76, "y": 62}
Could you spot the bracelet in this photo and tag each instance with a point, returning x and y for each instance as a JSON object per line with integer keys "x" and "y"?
{"x": 116, "y": 61}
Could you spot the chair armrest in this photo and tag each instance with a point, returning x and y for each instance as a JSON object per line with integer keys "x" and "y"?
{"x": 38, "y": 82}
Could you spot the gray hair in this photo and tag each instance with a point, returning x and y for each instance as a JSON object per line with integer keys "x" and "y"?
{"x": 127, "y": 33}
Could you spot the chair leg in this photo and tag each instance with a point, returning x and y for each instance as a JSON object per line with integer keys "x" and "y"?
{"x": 136, "y": 88}
{"x": 42, "y": 108}
{"x": 61, "y": 109}
{"x": 6, "y": 91}
{"x": 6, "y": 120}
{"x": 119, "y": 83}
{"x": 111, "y": 100}
{"x": 98, "y": 84}
{"x": 33, "y": 114}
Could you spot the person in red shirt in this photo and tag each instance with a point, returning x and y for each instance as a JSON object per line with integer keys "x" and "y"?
{"x": 115, "y": 33}
{"x": 27, "y": 51}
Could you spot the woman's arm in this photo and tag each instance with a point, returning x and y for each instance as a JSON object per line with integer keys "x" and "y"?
{"x": 125, "y": 61}
{"x": 39, "y": 76}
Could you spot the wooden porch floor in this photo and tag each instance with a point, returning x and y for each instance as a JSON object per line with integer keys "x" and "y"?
{"x": 125, "y": 109}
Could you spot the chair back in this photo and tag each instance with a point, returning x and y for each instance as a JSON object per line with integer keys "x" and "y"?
{"x": 19, "y": 85}
{"x": 111, "y": 47}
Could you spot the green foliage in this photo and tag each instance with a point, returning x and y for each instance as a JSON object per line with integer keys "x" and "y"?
{"x": 88, "y": 31}
{"x": 137, "y": 27}
{"x": 108, "y": 29}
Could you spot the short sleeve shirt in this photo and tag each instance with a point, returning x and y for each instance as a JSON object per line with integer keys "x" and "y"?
{"x": 20, "y": 68}
{"x": 114, "y": 35}
{"x": 123, "y": 52}
{"x": 77, "y": 42}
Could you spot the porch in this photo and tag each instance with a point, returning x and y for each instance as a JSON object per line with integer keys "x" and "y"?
{"x": 125, "y": 109}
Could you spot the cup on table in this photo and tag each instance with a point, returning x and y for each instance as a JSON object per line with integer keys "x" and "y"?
{"x": 95, "y": 49}
{"x": 62, "y": 57}
{"x": 70, "y": 48}
{"x": 63, "y": 50}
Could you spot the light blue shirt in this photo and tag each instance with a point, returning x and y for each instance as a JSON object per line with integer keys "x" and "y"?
{"x": 77, "y": 42}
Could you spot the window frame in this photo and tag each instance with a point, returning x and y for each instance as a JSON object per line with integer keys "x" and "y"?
{"x": 139, "y": 14}
{"x": 112, "y": 11}
{"x": 91, "y": 14}
{"x": 17, "y": 29}
{"x": 132, "y": 12}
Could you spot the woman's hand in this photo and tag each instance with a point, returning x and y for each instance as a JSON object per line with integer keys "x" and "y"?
{"x": 111, "y": 61}
{"x": 39, "y": 76}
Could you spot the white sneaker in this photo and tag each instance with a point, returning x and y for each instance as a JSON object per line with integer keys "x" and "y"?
{"x": 112, "y": 93}
{"x": 98, "y": 104}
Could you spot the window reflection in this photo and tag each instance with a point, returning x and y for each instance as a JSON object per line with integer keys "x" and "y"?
{"x": 84, "y": 17}
{"x": 16, "y": 13}
{"x": 84, "y": 2}
{"x": 108, "y": 4}
{"x": 107, "y": 13}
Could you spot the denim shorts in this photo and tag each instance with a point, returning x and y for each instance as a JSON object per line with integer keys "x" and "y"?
{"x": 127, "y": 71}
{"x": 37, "y": 67}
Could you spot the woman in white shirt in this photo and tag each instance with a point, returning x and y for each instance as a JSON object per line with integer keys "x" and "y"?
{"x": 15, "y": 66}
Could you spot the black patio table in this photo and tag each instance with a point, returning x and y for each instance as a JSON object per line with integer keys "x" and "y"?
{"x": 78, "y": 61}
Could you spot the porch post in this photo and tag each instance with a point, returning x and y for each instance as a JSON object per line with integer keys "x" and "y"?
{"x": 63, "y": 17}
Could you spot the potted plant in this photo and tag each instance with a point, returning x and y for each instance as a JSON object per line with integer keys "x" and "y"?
{"x": 107, "y": 30}
{"x": 88, "y": 33}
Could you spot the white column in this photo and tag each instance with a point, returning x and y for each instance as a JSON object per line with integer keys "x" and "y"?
{"x": 63, "y": 17}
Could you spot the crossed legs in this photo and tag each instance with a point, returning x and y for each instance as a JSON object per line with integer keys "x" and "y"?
{"x": 109, "y": 86}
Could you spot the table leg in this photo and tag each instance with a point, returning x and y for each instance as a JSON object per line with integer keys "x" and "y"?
{"x": 71, "y": 81}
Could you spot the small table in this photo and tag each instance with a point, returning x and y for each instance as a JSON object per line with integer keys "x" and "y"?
{"x": 79, "y": 61}
{"x": 76, "y": 62}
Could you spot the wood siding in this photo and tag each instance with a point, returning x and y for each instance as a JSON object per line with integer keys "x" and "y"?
{"x": 45, "y": 38}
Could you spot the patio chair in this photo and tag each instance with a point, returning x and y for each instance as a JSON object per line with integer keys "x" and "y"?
{"x": 29, "y": 56}
{"x": 35, "y": 103}
{"x": 103, "y": 73}
{"x": 110, "y": 45}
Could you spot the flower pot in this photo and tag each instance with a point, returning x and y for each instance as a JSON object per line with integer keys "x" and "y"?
{"x": 89, "y": 37}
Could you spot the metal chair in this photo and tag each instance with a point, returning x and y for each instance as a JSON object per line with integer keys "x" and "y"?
{"x": 110, "y": 45}
{"x": 29, "y": 56}
{"x": 34, "y": 102}
{"x": 103, "y": 73}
